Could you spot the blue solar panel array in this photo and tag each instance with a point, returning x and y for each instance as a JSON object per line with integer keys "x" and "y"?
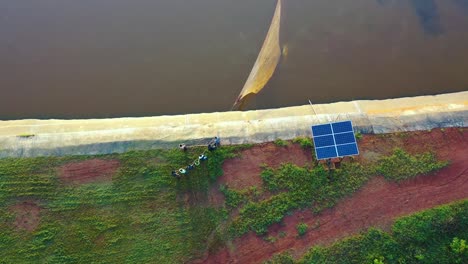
{"x": 334, "y": 140}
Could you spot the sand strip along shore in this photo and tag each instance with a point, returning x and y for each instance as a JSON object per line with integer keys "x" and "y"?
{"x": 31, "y": 138}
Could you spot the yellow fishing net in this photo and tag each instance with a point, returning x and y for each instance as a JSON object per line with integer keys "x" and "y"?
{"x": 266, "y": 62}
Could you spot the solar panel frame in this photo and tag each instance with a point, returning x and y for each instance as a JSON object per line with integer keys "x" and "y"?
{"x": 344, "y": 141}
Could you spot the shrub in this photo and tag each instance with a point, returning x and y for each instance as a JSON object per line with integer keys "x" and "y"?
{"x": 270, "y": 239}
{"x": 282, "y": 258}
{"x": 379, "y": 260}
{"x": 26, "y": 135}
{"x": 305, "y": 142}
{"x": 280, "y": 143}
{"x": 401, "y": 165}
{"x": 458, "y": 246}
{"x": 358, "y": 135}
{"x": 459, "y": 250}
{"x": 301, "y": 229}
{"x": 233, "y": 197}
{"x": 268, "y": 177}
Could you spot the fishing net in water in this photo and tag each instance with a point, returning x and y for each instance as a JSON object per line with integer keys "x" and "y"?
{"x": 266, "y": 62}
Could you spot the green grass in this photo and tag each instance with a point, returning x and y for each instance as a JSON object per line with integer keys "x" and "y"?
{"x": 140, "y": 217}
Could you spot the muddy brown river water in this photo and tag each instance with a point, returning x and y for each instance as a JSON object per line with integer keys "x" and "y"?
{"x": 108, "y": 58}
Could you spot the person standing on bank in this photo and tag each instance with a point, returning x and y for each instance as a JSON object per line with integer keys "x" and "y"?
{"x": 183, "y": 147}
{"x": 211, "y": 146}
{"x": 175, "y": 174}
{"x": 202, "y": 157}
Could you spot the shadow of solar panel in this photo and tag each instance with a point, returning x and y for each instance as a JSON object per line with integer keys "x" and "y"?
{"x": 326, "y": 152}
{"x": 347, "y": 150}
{"x": 321, "y": 130}
{"x": 344, "y": 138}
{"x": 324, "y": 141}
{"x": 341, "y": 127}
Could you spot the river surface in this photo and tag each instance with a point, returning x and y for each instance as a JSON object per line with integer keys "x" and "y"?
{"x": 109, "y": 58}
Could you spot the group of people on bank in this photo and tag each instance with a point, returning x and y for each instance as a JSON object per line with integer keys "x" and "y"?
{"x": 212, "y": 145}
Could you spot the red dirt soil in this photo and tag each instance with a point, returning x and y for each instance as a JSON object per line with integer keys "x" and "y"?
{"x": 94, "y": 170}
{"x": 244, "y": 171}
{"x": 27, "y": 215}
{"x": 378, "y": 203}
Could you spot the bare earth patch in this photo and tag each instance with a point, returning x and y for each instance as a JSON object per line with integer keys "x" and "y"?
{"x": 94, "y": 170}
{"x": 243, "y": 172}
{"x": 27, "y": 215}
{"x": 378, "y": 203}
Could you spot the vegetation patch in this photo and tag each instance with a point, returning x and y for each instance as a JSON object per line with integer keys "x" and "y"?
{"x": 26, "y": 135}
{"x": 301, "y": 229}
{"x": 436, "y": 236}
{"x": 305, "y": 142}
{"x": 141, "y": 216}
{"x": 401, "y": 165}
{"x": 294, "y": 187}
{"x": 235, "y": 197}
{"x": 358, "y": 135}
{"x": 282, "y": 258}
{"x": 145, "y": 215}
{"x": 280, "y": 143}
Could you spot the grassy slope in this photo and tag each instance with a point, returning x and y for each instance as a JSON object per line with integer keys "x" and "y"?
{"x": 136, "y": 218}
{"x": 142, "y": 217}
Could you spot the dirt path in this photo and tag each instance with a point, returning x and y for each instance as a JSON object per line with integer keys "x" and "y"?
{"x": 378, "y": 203}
